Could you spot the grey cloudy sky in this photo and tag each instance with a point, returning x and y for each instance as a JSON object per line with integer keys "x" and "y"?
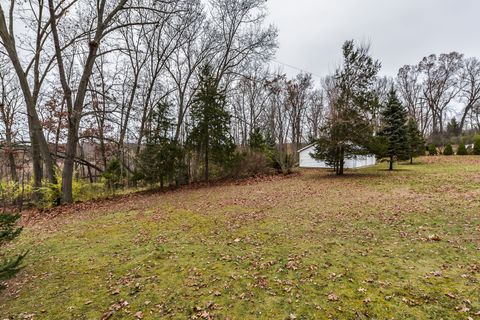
{"x": 400, "y": 31}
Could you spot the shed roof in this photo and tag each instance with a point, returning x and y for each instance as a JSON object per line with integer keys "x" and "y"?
{"x": 307, "y": 147}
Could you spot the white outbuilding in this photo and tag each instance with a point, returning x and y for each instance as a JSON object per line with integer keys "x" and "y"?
{"x": 307, "y": 161}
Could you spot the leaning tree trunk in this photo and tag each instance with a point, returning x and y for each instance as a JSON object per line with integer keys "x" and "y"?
{"x": 464, "y": 117}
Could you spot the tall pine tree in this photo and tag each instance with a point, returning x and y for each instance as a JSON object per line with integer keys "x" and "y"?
{"x": 394, "y": 129}
{"x": 349, "y": 131}
{"x": 210, "y": 134}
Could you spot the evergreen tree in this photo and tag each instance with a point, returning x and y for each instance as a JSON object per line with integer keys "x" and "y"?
{"x": 9, "y": 231}
{"x": 394, "y": 129}
{"x": 210, "y": 134}
{"x": 476, "y": 147}
{"x": 114, "y": 174}
{"x": 462, "y": 150}
{"x": 349, "y": 131}
{"x": 432, "y": 149}
{"x": 415, "y": 141}
{"x": 256, "y": 140}
{"x": 453, "y": 128}
{"x": 162, "y": 160}
{"x": 448, "y": 150}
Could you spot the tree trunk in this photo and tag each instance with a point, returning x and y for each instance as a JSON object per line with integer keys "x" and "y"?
{"x": 206, "y": 163}
{"x": 464, "y": 118}
{"x": 391, "y": 163}
{"x": 69, "y": 166}
{"x": 39, "y": 143}
{"x": 342, "y": 162}
{"x": 75, "y": 108}
{"x": 37, "y": 170}
{"x": 13, "y": 166}
{"x": 10, "y": 155}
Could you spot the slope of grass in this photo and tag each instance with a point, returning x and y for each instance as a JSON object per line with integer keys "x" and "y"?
{"x": 371, "y": 245}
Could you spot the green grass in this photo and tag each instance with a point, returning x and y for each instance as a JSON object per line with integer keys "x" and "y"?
{"x": 313, "y": 246}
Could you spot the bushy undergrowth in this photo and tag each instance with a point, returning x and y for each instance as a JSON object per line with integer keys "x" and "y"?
{"x": 48, "y": 196}
{"x": 250, "y": 163}
{"x": 448, "y": 150}
{"x": 462, "y": 150}
{"x": 476, "y": 146}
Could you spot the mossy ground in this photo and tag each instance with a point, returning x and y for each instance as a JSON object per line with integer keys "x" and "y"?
{"x": 371, "y": 245}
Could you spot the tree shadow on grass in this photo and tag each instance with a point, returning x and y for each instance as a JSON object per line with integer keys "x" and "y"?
{"x": 348, "y": 175}
{"x": 395, "y": 170}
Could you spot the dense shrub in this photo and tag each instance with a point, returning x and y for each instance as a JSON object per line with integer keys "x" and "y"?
{"x": 81, "y": 191}
{"x": 476, "y": 147}
{"x": 252, "y": 163}
{"x": 462, "y": 150}
{"x": 162, "y": 162}
{"x": 114, "y": 174}
{"x": 448, "y": 150}
{"x": 432, "y": 150}
{"x": 257, "y": 141}
{"x": 9, "y": 192}
{"x": 283, "y": 162}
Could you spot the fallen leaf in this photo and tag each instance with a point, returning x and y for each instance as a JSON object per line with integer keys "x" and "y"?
{"x": 437, "y": 273}
{"x": 332, "y": 297}
{"x": 107, "y": 315}
{"x": 450, "y": 295}
{"x": 434, "y": 237}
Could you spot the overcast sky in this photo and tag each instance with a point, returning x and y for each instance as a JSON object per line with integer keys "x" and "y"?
{"x": 400, "y": 31}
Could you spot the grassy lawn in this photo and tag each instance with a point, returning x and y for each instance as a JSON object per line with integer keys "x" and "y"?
{"x": 370, "y": 245}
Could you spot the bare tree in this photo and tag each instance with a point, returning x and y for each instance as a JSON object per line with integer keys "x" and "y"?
{"x": 239, "y": 36}
{"x": 278, "y": 119}
{"x": 195, "y": 49}
{"x": 166, "y": 38}
{"x": 470, "y": 87}
{"x": 249, "y": 101}
{"x": 298, "y": 97}
{"x": 107, "y": 17}
{"x": 104, "y": 14}
{"x": 10, "y": 103}
{"x": 315, "y": 114}
{"x": 32, "y": 71}
{"x": 440, "y": 85}
{"x": 411, "y": 91}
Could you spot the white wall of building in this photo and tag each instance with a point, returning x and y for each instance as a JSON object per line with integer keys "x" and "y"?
{"x": 306, "y": 161}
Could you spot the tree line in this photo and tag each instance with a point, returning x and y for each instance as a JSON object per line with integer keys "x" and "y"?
{"x": 166, "y": 92}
